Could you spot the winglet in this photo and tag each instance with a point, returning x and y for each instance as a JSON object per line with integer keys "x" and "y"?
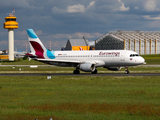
{"x": 31, "y": 33}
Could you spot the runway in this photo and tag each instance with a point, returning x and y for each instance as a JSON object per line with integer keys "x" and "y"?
{"x": 83, "y": 74}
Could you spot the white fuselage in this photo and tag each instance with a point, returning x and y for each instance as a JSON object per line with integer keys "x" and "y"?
{"x": 101, "y": 58}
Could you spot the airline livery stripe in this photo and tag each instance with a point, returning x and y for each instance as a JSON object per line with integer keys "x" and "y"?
{"x": 38, "y": 49}
{"x": 31, "y": 33}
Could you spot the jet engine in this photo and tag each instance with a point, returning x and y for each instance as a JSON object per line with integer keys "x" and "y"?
{"x": 87, "y": 67}
{"x": 113, "y": 68}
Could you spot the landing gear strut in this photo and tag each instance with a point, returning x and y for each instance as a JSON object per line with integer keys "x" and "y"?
{"x": 126, "y": 70}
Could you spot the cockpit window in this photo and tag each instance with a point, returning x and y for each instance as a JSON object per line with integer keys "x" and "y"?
{"x": 133, "y": 55}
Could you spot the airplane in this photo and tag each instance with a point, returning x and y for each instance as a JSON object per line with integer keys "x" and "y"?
{"x": 86, "y": 61}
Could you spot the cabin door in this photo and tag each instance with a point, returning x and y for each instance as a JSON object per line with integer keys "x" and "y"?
{"x": 122, "y": 56}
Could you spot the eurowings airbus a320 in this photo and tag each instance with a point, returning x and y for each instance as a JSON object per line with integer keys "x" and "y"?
{"x": 86, "y": 61}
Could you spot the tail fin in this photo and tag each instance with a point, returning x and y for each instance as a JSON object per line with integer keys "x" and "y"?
{"x": 37, "y": 48}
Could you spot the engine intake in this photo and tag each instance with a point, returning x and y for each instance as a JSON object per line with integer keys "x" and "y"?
{"x": 87, "y": 67}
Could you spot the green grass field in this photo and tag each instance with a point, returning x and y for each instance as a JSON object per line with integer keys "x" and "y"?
{"x": 152, "y": 59}
{"x": 79, "y": 98}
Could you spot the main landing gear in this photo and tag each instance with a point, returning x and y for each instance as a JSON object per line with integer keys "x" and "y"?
{"x": 126, "y": 70}
{"x": 94, "y": 72}
{"x": 76, "y": 71}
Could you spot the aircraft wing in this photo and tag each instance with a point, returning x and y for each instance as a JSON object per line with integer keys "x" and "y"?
{"x": 60, "y": 61}
{"x": 98, "y": 63}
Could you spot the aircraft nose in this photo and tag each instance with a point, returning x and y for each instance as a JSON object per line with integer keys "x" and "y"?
{"x": 142, "y": 60}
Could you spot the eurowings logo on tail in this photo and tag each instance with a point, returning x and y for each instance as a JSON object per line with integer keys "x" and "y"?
{"x": 37, "y": 48}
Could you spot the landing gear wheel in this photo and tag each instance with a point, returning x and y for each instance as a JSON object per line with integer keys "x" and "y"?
{"x": 126, "y": 72}
{"x": 76, "y": 72}
{"x": 95, "y": 71}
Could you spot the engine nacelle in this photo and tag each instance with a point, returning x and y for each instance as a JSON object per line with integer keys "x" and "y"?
{"x": 113, "y": 68}
{"x": 87, "y": 67}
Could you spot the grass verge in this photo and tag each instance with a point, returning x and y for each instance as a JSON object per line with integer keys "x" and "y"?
{"x": 81, "y": 98}
{"x": 55, "y": 69}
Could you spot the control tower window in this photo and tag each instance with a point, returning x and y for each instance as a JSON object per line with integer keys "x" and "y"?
{"x": 10, "y": 20}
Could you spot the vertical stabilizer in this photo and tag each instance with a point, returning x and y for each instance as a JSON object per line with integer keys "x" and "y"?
{"x": 37, "y": 48}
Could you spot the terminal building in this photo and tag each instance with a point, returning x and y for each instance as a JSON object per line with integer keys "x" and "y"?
{"x": 142, "y": 42}
{"x": 78, "y": 44}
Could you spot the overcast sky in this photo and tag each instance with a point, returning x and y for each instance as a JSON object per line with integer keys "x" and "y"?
{"x": 59, "y": 20}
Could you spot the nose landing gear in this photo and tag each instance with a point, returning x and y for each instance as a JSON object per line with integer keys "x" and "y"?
{"x": 126, "y": 70}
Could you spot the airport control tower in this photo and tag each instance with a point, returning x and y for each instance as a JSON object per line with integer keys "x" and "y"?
{"x": 11, "y": 24}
